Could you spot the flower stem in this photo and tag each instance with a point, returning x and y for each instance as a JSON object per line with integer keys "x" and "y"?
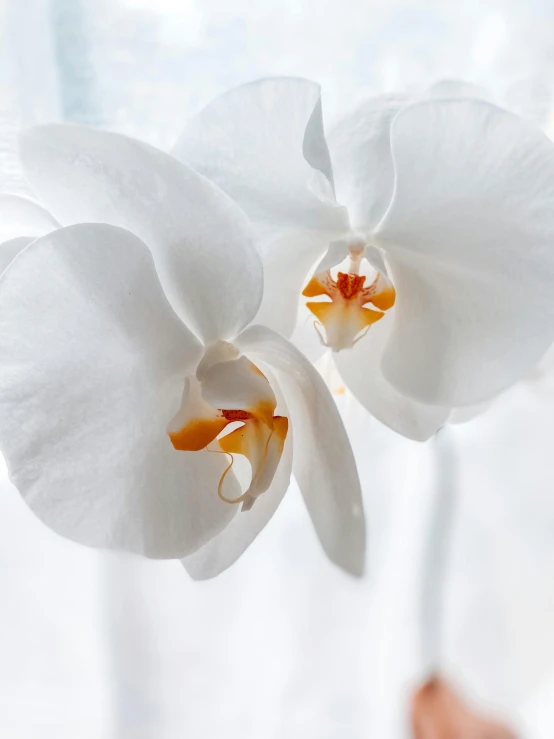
{"x": 437, "y": 551}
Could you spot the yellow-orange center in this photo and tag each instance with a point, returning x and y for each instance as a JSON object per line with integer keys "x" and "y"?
{"x": 235, "y": 415}
{"x": 345, "y": 317}
{"x": 260, "y": 437}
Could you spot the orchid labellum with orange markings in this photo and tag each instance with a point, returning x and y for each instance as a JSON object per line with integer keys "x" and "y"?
{"x": 419, "y": 236}
{"x": 131, "y": 379}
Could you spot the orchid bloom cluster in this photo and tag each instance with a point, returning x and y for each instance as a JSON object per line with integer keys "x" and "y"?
{"x": 158, "y": 310}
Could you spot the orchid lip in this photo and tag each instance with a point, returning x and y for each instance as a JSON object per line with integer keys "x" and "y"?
{"x": 204, "y": 417}
{"x": 346, "y": 318}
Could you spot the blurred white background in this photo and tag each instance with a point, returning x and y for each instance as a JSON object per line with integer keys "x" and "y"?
{"x": 284, "y": 645}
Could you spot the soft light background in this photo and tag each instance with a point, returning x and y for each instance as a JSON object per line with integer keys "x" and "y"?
{"x": 98, "y": 646}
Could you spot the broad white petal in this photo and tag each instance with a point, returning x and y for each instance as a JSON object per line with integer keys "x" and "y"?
{"x": 453, "y": 88}
{"x": 360, "y": 369}
{"x": 11, "y": 248}
{"x": 546, "y": 363}
{"x": 225, "y": 548}
{"x": 288, "y": 262}
{"x": 362, "y": 160}
{"x": 200, "y": 239}
{"x": 470, "y": 243}
{"x": 323, "y": 463}
{"x": 93, "y": 361}
{"x": 263, "y": 143}
{"x": 21, "y": 216}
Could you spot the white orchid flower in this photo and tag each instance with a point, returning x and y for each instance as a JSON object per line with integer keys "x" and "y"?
{"x": 125, "y": 359}
{"x": 439, "y": 216}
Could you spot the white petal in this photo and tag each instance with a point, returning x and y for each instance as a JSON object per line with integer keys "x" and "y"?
{"x": 360, "y": 369}
{"x": 323, "y": 463}
{"x": 469, "y": 239}
{"x": 93, "y": 361}
{"x": 225, "y": 548}
{"x": 263, "y": 143}
{"x": 288, "y": 262}
{"x": 546, "y": 364}
{"x": 335, "y": 254}
{"x": 200, "y": 240}
{"x": 20, "y": 216}
{"x": 362, "y": 161}
{"x": 453, "y": 88}
{"x": 11, "y": 248}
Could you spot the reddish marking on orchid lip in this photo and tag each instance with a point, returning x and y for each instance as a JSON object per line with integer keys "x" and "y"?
{"x": 236, "y": 415}
{"x": 350, "y": 285}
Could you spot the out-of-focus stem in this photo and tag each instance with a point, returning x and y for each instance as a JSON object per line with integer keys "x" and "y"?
{"x": 437, "y": 550}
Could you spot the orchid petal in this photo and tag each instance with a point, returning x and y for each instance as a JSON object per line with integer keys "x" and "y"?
{"x": 199, "y": 238}
{"x": 469, "y": 239}
{"x": 288, "y": 262}
{"x": 11, "y": 248}
{"x": 225, "y": 548}
{"x": 323, "y": 463}
{"x": 263, "y": 143}
{"x": 21, "y": 216}
{"x": 362, "y": 160}
{"x": 453, "y": 88}
{"x": 360, "y": 369}
{"x": 335, "y": 254}
{"x": 93, "y": 362}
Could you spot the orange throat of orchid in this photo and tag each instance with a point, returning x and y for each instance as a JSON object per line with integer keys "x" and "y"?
{"x": 344, "y": 317}
{"x": 260, "y": 437}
